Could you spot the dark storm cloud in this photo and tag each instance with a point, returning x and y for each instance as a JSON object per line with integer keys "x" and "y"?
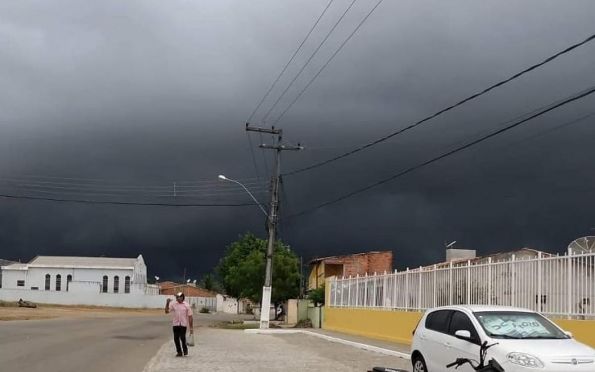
{"x": 151, "y": 93}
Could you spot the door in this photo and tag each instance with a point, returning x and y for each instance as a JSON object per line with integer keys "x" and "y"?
{"x": 459, "y": 321}
{"x": 435, "y": 339}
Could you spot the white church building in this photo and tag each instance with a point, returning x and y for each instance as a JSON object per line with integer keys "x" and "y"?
{"x": 102, "y": 281}
{"x": 77, "y": 274}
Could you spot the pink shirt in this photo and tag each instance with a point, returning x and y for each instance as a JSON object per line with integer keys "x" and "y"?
{"x": 180, "y": 313}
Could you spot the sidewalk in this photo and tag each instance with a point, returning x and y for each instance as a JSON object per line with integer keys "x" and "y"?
{"x": 235, "y": 350}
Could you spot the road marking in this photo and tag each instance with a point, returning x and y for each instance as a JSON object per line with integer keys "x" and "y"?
{"x": 358, "y": 345}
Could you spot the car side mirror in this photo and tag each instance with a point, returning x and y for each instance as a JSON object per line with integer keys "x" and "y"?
{"x": 463, "y": 335}
{"x": 569, "y": 334}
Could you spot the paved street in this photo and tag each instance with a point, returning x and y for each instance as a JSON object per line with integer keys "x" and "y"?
{"x": 114, "y": 344}
{"x": 233, "y": 350}
{"x": 143, "y": 343}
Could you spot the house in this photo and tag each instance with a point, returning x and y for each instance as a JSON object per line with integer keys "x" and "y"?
{"x": 171, "y": 288}
{"x": 349, "y": 265}
{"x": 4, "y": 263}
{"x": 77, "y": 274}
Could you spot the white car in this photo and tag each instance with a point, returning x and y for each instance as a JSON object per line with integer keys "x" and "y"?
{"x": 526, "y": 341}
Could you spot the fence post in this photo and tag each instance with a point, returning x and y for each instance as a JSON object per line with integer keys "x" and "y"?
{"x": 435, "y": 289}
{"x": 450, "y": 291}
{"x": 539, "y": 289}
{"x": 512, "y": 294}
{"x": 394, "y": 301}
{"x": 407, "y": 289}
{"x": 468, "y": 282}
{"x": 489, "y": 280}
{"x": 569, "y": 284}
{"x": 365, "y": 304}
{"x": 349, "y": 292}
{"x": 341, "y": 292}
{"x": 419, "y": 307}
{"x": 384, "y": 289}
{"x": 357, "y": 290}
{"x": 374, "y": 303}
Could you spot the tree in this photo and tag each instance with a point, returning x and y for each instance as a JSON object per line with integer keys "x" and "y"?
{"x": 209, "y": 283}
{"x": 242, "y": 269}
{"x": 317, "y": 295}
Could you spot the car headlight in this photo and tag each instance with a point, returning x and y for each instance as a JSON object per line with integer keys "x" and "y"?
{"x": 525, "y": 360}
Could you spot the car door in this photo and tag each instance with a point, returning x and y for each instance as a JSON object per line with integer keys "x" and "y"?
{"x": 458, "y": 348}
{"x": 435, "y": 339}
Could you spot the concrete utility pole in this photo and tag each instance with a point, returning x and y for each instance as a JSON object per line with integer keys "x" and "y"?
{"x": 272, "y": 219}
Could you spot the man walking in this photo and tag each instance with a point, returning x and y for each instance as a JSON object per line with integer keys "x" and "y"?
{"x": 181, "y": 320}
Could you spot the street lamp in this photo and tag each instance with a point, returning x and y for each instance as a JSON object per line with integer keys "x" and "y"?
{"x": 265, "y": 302}
{"x": 223, "y": 178}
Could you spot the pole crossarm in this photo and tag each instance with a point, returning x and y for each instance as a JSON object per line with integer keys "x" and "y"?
{"x": 263, "y": 130}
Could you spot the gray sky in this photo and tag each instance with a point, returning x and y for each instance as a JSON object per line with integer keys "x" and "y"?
{"x": 128, "y": 98}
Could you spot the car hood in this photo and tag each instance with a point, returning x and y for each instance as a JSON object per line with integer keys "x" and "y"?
{"x": 545, "y": 349}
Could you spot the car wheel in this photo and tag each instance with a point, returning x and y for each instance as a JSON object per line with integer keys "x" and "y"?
{"x": 419, "y": 364}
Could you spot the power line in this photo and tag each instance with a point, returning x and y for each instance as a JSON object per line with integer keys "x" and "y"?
{"x": 116, "y": 183}
{"x": 89, "y": 201}
{"x": 327, "y": 62}
{"x": 308, "y": 61}
{"x": 449, "y": 153}
{"x": 470, "y": 98}
{"x": 264, "y": 97}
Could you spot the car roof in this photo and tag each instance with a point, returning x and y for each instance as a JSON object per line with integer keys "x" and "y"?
{"x": 481, "y": 308}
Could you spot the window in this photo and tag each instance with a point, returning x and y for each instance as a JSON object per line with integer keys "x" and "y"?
{"x": 68, "y": 280}
{"x": 20, "y": 283}
{"x": 58, "y": 282}
{"x": 518, "y": 325}
{"x": 116, "y": 284}
{"x": 104, "y": 286}
{"x": 461, "y": 322}
{"x": 127, "y": 284}
{"x": 48, "y": 278}
{"x": 34, "y": 288}
{"x": 438, "y": 320}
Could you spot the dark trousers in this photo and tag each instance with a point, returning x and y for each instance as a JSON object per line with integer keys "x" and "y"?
{"x": 180, "y": 335}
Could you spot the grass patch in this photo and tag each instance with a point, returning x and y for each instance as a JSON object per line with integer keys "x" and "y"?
{"x": 234, "y": 325}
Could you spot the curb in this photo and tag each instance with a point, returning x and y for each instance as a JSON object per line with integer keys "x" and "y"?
{"x": 331, "y": 339}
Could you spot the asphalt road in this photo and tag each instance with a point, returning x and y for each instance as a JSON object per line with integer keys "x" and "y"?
{"x": 109, "y": 344}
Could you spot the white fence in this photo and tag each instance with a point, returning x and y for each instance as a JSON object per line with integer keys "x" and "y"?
{"x": 93, "y": 298}
{"x": 553, "y": 285}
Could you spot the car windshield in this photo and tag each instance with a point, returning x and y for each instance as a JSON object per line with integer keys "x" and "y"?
{"x": 517, "y": 325}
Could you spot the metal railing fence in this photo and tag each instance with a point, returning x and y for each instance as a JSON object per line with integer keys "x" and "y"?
{"x": 561, "y": 286}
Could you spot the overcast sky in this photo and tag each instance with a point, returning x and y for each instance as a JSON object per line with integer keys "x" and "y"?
{"x": 120, "y": 100}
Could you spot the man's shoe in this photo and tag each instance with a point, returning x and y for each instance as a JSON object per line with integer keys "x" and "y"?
{"x": 179, "y": 354}
{"x": 185, "y": 353}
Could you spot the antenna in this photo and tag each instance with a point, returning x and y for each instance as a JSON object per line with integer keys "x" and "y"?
{"x": 451, "y": 244}
{"x": 586, "y": 244}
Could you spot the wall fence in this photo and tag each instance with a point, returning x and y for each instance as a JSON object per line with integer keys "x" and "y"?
{"x": 557, "y": 286}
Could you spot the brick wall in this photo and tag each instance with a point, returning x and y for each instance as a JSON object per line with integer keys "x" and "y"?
{"x": 368, "y": 263}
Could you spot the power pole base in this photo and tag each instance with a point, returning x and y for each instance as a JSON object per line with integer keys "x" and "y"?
{"x": 265, "y": 308}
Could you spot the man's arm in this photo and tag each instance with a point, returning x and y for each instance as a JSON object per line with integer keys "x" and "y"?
{"x": 167, "y": 305}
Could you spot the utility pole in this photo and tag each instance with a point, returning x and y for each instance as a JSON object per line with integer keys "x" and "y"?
{"x": 272, "y": 218}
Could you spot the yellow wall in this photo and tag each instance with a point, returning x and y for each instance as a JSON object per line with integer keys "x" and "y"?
{"x": 582, "y": 330}
{"x": 396, "y": 326}
{"x": 317, "y": 270}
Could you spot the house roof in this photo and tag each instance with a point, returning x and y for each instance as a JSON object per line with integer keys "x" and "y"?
{"x": 337, "y": 258}
{"x": 5, "y": 262}
{"x": 483, "y": 258}
{"x": 71, "y": 261}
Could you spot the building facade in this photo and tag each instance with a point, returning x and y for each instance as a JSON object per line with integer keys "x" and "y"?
{"x": 77, "y": 274}
{"x": 368, "y": 263}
